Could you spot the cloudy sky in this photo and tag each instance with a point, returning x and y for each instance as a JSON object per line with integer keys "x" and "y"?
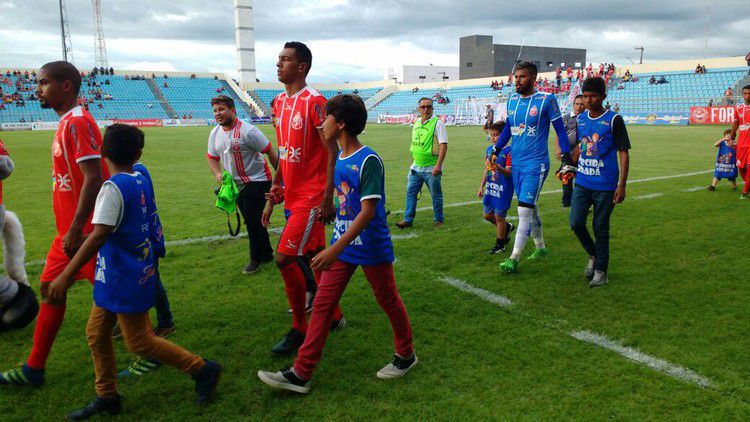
{"x": 355, "y": 40}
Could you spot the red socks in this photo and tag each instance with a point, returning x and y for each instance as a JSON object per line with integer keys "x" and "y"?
{"x": 746, "y": 177}
{"x": 296, "y": 289}
{"x": 48, "y": 323}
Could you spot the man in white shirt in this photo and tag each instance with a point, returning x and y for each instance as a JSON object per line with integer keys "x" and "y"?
{"x": 238, "y": 147}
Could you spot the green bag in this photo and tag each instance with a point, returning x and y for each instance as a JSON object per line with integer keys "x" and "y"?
{"x": 226, "y": 200}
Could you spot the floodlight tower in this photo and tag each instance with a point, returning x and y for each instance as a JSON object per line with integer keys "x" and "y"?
{"x": 100, "y": 47}
{"x": 244, "y": 35}
{"x": 67, "y": 44}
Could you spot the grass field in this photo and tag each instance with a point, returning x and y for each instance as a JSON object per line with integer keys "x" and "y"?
{"x": 678, "y": 292}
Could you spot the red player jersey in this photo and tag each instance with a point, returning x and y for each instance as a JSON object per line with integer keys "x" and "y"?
{"x": 742, "y": 114}
{"x": 77, "y": 139}
{"x": 303, "y": 159}
{"x": 3, "y": 152}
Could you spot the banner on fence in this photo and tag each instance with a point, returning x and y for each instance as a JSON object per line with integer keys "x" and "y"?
{"x": 721, "y": 115}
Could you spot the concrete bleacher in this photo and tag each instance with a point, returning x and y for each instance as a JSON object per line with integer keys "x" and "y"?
{"x": 684, "y": 89}
{"x": 268, "y": 94}
{"x": 192, "y": 96}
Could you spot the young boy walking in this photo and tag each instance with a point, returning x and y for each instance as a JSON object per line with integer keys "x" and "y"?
{"x": 496, "y": 189}
{"x": 124, "y": 284}
{"x": 599, "y": 181}
{"x": 726, "y": 161}
{"x": 360, "y": 238}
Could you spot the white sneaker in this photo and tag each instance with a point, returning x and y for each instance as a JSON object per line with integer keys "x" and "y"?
{"x": 398, "y": 367}
{"x": 589, "y": 272}
{"x": 600, "y": 279}
{"x": 286, "y": 379}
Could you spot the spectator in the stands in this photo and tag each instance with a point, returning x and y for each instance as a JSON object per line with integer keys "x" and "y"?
{"x": 355, "y": 92}
{"x": 165, "y": 76}
{"x": 662, "y": 80}
{"x": 190, "y": 117}
{"x": 728, "y": 94}
{"x": 21, "y": 120}
{"x": 192, "y": 76}
{"x": 652, "y": 81}
{"x": 111, "y": 70}
{"x": 617, "y": 107}
{"x": 607, "y": 106}
{"x": 166, "y": 85}
{"x": 184, "y": 117}
{"x": 747, "y": 59}
{"x": 149, "y": 105}
{"x": 711, "y": 102}
{"x": 106, "y": 82}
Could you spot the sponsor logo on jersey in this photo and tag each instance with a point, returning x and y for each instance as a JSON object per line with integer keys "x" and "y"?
{"x": 235, "y": 146}
{"x": 518, "y": 130}
{"x": 297, "y": 121}
{"x": 294, "y": 155}
{"x": 63, "y": 183}
{"x": 290, "y": 244}
{"x": 534, "y": 111}
{"x": 531, "y": 131}
{"x": 56, "y": 148}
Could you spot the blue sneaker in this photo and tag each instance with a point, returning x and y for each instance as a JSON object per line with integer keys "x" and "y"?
{"x": 206, "y": 381}
{"x": 23, "y": 375}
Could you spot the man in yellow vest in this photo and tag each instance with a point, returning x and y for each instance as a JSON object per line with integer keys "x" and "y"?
{"x": 429, "y": 144}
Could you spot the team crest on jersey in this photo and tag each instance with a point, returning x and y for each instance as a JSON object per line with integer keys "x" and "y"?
{"x": 353, "y": 167}
{"x": 56, "y": 148}
{"x": 534, "y": 111}
{"x": 297, "y": 121}
{"x": 235, "y": 146}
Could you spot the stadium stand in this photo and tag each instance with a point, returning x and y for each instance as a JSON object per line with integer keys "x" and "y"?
{"x": 192, "y": 96}
{"x": 267, "y": 95}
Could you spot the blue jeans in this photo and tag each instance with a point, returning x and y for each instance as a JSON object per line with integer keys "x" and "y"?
{"x": 161, "y": 304}
{"x": 583, "y": 199}
{"x": 416, "y": 179}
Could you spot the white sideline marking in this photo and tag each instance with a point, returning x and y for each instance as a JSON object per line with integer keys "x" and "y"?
{"x": 404, "y": 236}
{"x": 652, "y": 362}
{"x": 476, "y": 291}
{"x": 649, "y": 196}
{"x": 695, "y": 189}
{"x": 547, "y": 192}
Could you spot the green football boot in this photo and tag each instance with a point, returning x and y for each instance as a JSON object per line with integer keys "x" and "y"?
{"x": 510, "y": 265}
{"x": 538, "y": 254}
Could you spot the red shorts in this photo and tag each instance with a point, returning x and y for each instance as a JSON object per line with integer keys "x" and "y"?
{"x": 57, "y": 261}
{"x": 303, "y": 233}
{"x": 743, "y": 155}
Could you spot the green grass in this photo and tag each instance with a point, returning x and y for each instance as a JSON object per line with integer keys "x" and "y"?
{"x": 678, "y": 291}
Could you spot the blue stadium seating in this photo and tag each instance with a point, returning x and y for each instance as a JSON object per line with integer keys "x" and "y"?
{"x": 267, "y": 95}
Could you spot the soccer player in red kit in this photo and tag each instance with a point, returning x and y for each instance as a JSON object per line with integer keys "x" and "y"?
{"x": 303, "y": 180}
{"x": 742, "y": 125}
{"x": 77, "y": 175}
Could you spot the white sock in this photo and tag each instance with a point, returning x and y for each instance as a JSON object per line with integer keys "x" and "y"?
{"x": 522, "y": 231}
{"x": 536, "y": 229}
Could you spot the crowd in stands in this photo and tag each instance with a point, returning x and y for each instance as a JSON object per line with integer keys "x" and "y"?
{"x": 654, "y": 81}
{"x": 24, "y": 84}
{"x": 700, "y": 69}
{"x": 440, "y": 98}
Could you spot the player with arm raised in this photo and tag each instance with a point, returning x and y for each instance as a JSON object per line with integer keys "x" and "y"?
{"x": 303, "y": 181}
{"x": 530, "y": 114}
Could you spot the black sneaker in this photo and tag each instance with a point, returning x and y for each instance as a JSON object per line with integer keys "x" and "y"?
{"x": 499, "y": 247}
{"x": 98, "y": 406}
{"x": 509, "y": 227}
{"x": 338, "y": 324}
{"x": 206, "y": 381}
{"x": 252, "y": 267}
{"x": 711, "y": 188}
{"x": 290, "y": 343}
{"x": 286, "y": 379}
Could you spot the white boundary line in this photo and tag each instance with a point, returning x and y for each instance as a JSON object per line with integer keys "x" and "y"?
{"x": 649, "y": 196}
{"x": 485, "y": 295}
{"x": 635, "y": 355}
{"x": 599, "y": 340}
{"x": 547, "y": 192}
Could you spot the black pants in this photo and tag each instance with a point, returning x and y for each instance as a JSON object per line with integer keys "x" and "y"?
{"x": 251, "y": 202}
{"x": 567, "y": 193}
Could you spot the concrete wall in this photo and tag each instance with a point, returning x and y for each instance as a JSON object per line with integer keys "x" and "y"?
{"x": 546, "y": 58}
{"x": 475, "y": 57}
{"x": 411, "y": 74}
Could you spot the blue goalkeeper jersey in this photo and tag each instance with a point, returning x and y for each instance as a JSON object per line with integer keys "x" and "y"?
{"x": 529, "y": 119}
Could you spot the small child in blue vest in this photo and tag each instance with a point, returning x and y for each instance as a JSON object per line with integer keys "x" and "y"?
{"x": 496, "y": 188}
{"x": 726, "y": 161}
{"x": 124, "y": 287}
{"x": 360, "y": 238}
{"x": 599, "y": 181}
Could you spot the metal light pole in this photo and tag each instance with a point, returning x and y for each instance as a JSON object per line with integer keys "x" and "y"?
{"x": 640, "y": 48}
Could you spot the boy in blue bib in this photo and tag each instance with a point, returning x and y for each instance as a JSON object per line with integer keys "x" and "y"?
{"x": 496, "y": 188}
{"x": 726, "y": 161}
{"x": 599, "y": 182}
{"x": 360, "y": 238}
{"x": 124, "y": 284}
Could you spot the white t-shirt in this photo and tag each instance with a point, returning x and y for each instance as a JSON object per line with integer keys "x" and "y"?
{"x": 442, "y": 136}
{"x": 240, "y": 151}
{"x": 109, "y": 206}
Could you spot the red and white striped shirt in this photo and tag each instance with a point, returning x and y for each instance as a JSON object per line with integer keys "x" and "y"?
{"x": 240, "y": 150}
